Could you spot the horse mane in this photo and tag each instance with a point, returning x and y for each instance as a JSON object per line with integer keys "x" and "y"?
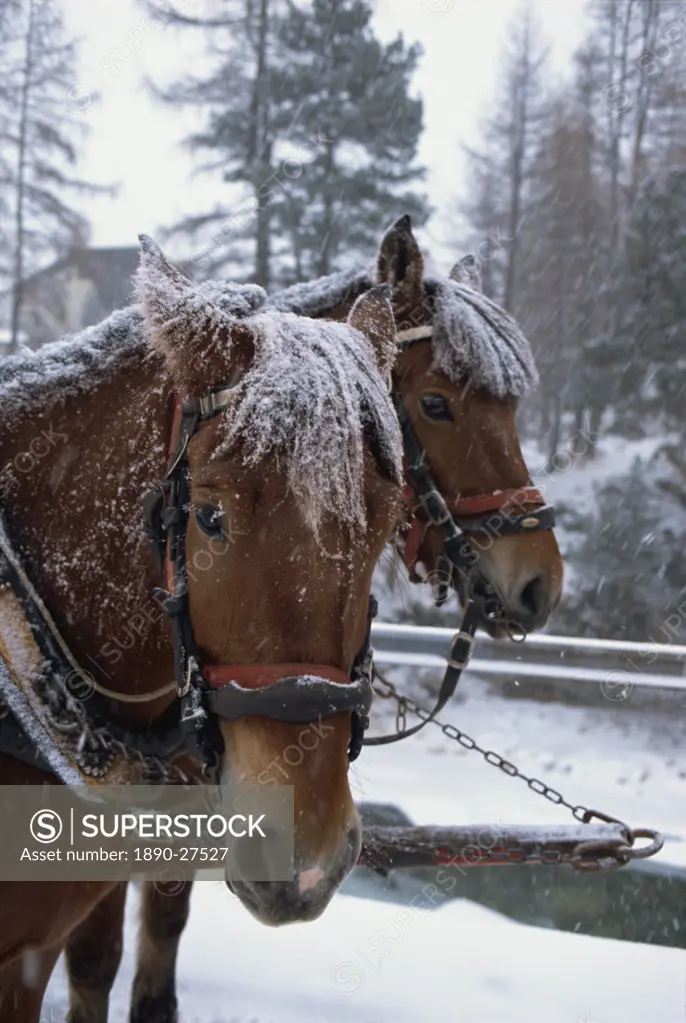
{"x": 312, "y": 397}
{"x": 473, "y": 336}
{"x": 72, "y": 365}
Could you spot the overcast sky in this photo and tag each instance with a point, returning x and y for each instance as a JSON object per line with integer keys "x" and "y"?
{"x": 135, "y": 141}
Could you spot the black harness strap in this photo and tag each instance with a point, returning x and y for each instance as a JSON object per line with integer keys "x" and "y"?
{"x": 293, "y": 699}
{"x": 15, "y": 743}
{"x": 166, "y": 521}
{"x": 457, "y": 549}
{"x": 458, "y": 659}
{"x": 363, "y": 668}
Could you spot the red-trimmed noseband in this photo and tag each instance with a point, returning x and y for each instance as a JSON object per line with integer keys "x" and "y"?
{"x": 465, "y": 508}
{"x": 496, "y": 500}
{"x": 259, "y": 676}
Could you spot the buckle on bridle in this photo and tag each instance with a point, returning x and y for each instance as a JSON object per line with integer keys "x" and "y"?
{"x": 470, "y": 641}
{"x": 530, "y": 522}
{"x": 444, "y": 513}
{"x": 215, "y": 401}
{"x": 192, "y": 670}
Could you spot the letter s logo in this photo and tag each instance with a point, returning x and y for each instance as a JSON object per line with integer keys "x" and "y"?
{"x": 46, "y": 826}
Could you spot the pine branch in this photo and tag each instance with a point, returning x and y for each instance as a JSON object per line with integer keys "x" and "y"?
{"x": 168, "y": 15}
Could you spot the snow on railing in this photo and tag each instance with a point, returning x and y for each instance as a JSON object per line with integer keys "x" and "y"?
{"x": 609, "y": 663}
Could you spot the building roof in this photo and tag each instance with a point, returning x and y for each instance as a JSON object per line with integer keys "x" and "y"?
{"x": 111, "y": 269}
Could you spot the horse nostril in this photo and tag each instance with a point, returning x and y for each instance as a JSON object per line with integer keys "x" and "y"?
{"x": 532, "y": 597}
{"x": 354, "y": 837}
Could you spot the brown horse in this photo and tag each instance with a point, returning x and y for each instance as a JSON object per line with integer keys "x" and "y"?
{"x": 461, "y": 368}
{"x": 294, "y": 470}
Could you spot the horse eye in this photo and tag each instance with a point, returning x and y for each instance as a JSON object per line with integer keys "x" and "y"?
{"x": 210, "y": 520}
{"x": 434, "y": 406}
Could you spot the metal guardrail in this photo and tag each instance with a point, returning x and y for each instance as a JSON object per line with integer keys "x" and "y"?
{"x": 609, "y": 663}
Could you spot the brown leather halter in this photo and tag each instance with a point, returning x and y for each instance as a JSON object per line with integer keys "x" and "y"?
{"x": 458, "y": 518}
{"x": 468, "y": 513}
{"x": 293, "y": 693}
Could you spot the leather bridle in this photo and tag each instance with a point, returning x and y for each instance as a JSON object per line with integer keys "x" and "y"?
{"x": 488, "y": 514}
{"x": 292, "y": 693}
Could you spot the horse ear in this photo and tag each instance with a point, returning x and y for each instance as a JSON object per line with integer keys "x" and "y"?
{"x": 164, "y": 293}
{"x": 400, "y": 262}
{"x": 372, "y": 315}
{"x": 181, "y": 317}
{"x": 466, "y": 271}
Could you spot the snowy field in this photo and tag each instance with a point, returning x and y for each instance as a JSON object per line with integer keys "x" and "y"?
{"x": 460, "y": 962}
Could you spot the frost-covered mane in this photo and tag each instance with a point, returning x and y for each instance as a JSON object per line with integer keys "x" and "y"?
{"x": 71, "y": 365}
{"x": 475, "y": 336}
{"x": 472, "y": 334}
{"x": 312, "y": 396}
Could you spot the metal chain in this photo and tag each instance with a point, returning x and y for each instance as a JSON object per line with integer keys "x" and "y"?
{"x": 405, "y": 703}
{"x": 68, "y": 716}
{"x": 588, "y": 856}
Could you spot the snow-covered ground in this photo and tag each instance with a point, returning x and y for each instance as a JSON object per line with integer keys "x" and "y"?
{"x": 460, "y": 962}
{"x": 567, "y": 481}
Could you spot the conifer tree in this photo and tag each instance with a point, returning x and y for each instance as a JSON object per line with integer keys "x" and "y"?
{"x": 240, "y": 124}
{"x": 39, "y": 128}
{"x": 312, "y": 116}
{"x": 654, "y": 377}
{"x": 630, "y": 564}
{"x": 353, "y": 94}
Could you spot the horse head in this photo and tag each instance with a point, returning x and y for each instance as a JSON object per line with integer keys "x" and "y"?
{"x": 461, "y": 371}
{"x": 294, "y": 487}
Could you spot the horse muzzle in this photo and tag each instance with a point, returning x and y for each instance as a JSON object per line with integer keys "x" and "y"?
{"x": 306, "y": 896}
